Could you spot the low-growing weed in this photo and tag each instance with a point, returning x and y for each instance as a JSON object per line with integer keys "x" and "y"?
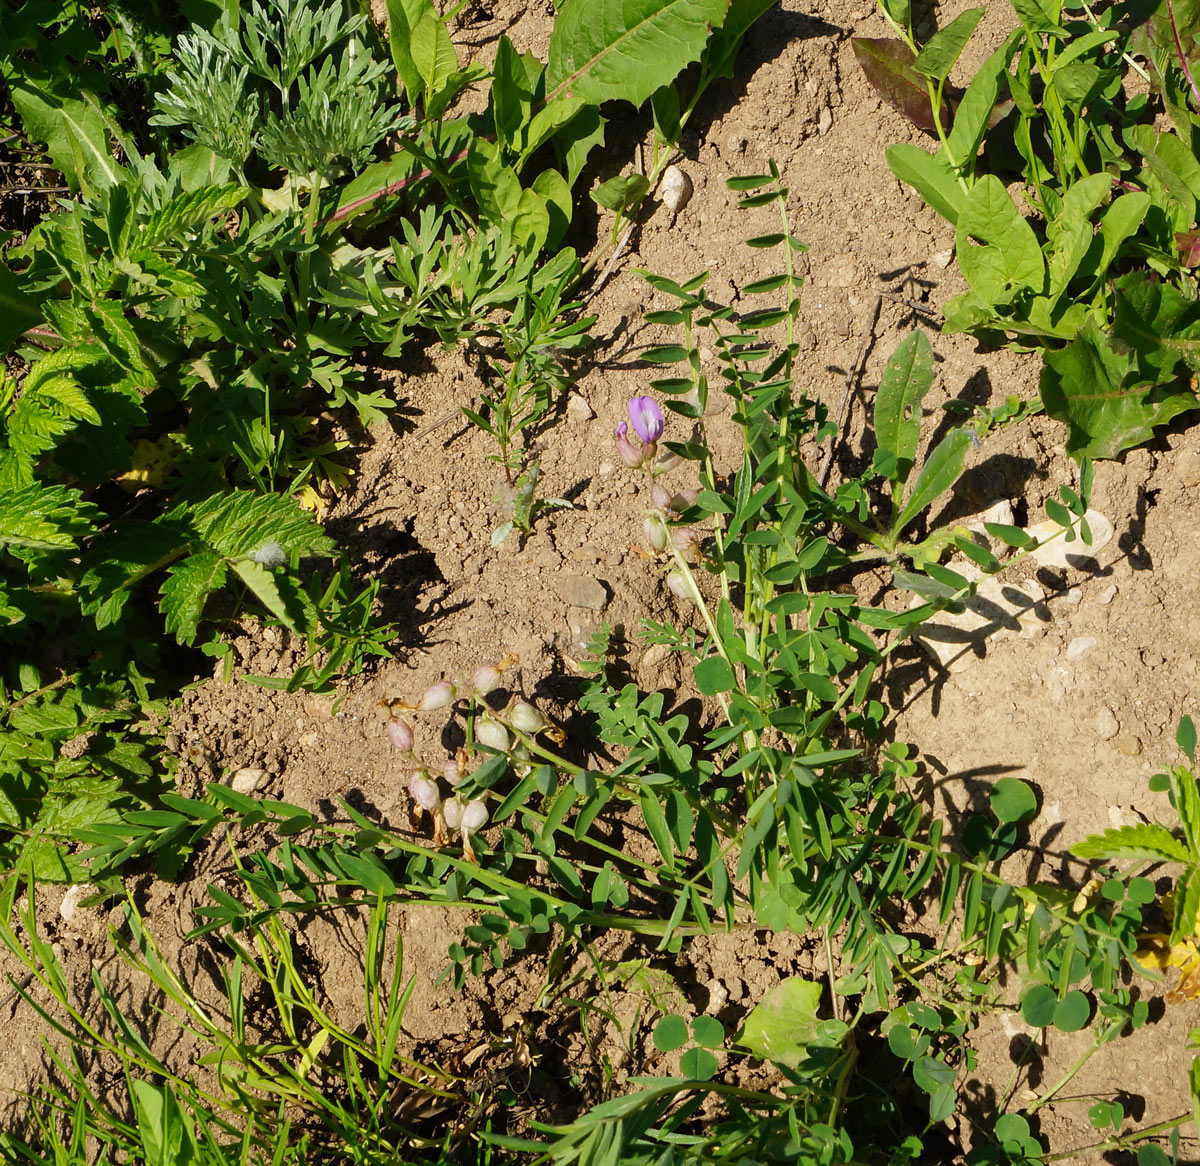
{"x": 1098, "y": 274}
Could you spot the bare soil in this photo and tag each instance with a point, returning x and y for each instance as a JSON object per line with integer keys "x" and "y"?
{"x": 1083, "y": 704}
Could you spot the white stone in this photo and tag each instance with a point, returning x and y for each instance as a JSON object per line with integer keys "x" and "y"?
{"x": 1080, "y": 646}
{"x": 676, "y": 189}
{"x": 1075, "y": 555}
{"x": 578, "y": 408}
{"x": 69, "y": 909}
{"x": 246, "y": 781}
{"x": 1106, "y": 724}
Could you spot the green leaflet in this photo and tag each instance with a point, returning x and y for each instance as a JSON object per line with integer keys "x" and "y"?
{"x": 605, "y": 50}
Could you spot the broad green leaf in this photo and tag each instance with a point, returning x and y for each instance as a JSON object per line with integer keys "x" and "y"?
{"x": 264, "y": 586}
{"x": 1069, "y": 234}
{"x": 698, "y": 1064}
{"x": 902, "y": 388}
{"x": 1146, "y": 842}
{"x": 1120, "y": 221}
{"x": 941, "y": 470}
{"x": 1099, "y": 394}
{"x": 1072, "y": 1012}
{"x": 670, "y": 1033}
{"x": 930, "y": 175}
{"x": 784, "y": 1023}
{"x": 714, "y": 675}
{"x": 1005, "y": 258}
{"x": 402, "y": 16}
{"x": 605, "y": 50}
{"x": 242, "y": 524}
{"x": 18, "y": 308}
{"x": 1038, "y": 15}
{"x": 432, "y": 52}
{"x": 889, "y": 65}
{"x": 1157, "y": 322}
{"x": 978, "y": 106}
{"x": 1185, "y": 737}
{"x": 943, "y": 49}
{"x": 73, "y": 129}
{"x": 494, "y": 185}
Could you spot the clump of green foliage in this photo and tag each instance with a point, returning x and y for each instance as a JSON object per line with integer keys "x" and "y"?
{"x": 1096, "y": 270}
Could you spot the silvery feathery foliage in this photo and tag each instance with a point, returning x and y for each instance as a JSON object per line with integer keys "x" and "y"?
{"x": 291, "y": 82}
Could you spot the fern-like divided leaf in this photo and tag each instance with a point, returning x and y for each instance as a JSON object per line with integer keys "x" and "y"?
{"x": 43, "y": 517}
{"x": 1148, "y": 842}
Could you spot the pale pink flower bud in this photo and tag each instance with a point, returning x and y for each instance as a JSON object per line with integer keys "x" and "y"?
{"x": 452, "y": 810}
{"x": 436, "y": 696}
{"x": 424, "y": 791}
{"x": 492, "y": 734}
{"x": 526, "y": 718}
{"x": 474, "y": 816}
{"x": 661, "y": 496}
{"x": 682, "y": 585}
{"x": 400, "y": 733}
{"x": 655, "y": 532}
{"x": 452, "y": 771}
{"x": 667, "y": 460}
{"x": 632, "y": 454}
{"x": 487, "y": 679}
{"x": 685, "y": 498}
{"x": 686, "y": 540}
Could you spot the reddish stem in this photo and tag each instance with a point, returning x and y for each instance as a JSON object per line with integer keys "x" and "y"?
{"x": 1187, "y": 72}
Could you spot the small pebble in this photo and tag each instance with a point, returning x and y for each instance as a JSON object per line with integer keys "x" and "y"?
{"x": 1108, "y": 594}
{"x": 581, "y": 591}
{"x": 1187, "y": 466}
{"x": 825, "y": 122}
{"x": 1080, "y": 646}
{"x": 718, "y": 996}
{"x": 578, "y": 409}
{"x": 1106, "y": 724}
{"x": 676, "y": 189}
{"x": 72, "y": 914}
{"x": 1128, "y": 744}
{"x": 246, "y": 781}
{"x": 1073, "y": 596}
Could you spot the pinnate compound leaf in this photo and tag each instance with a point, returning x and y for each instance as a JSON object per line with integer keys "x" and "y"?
{"x": 242, "y": 522}
{"x": 44, "y": 517}
{"x": 1146, "y": 841}
{"x": 605, "y": 50}
{"x": 889, "y": 65}
{"x": 187, "y": 211}
{"x": 1098, "y": 392}
{"x": 783, "y": 1024}
{"x": 902, "y": 388}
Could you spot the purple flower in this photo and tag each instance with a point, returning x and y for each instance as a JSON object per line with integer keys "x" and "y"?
{"x": 647, "y": 418}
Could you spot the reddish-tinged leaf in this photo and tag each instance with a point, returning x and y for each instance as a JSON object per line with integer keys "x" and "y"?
{"x": 887, "y": 64}
{"x": 1188, "y": 243}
